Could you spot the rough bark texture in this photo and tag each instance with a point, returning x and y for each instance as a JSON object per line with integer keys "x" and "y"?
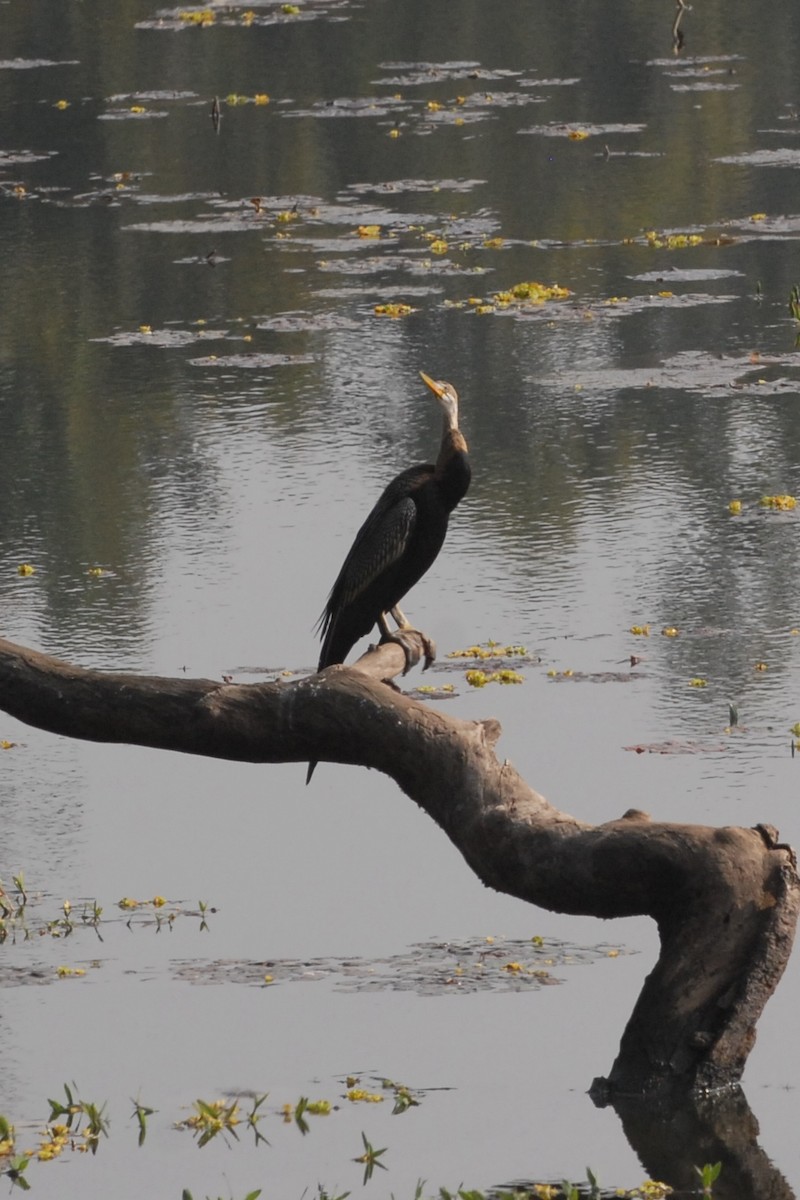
{"x": 725, "y": 900}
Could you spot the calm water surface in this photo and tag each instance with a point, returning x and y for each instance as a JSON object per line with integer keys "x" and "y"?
{"x": 210, "y": 432}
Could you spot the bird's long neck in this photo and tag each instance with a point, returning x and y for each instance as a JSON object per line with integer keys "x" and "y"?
{"x": 452, "y": 443}
{"x": 452, "y": 466}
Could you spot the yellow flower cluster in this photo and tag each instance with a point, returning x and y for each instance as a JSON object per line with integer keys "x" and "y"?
{"x": 778, "y": 503}
{"x": 479, "y": 679}
{"x": 673, "y": 241}
{"x": 197, "y": 16}
{"x": 532, "y": 293}
{"x": 392, "y": 310}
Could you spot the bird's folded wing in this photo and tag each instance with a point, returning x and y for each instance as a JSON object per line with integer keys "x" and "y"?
{"x": 380, "y": 542}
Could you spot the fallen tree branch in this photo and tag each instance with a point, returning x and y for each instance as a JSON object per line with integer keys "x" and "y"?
{"x": 725, "y": 900}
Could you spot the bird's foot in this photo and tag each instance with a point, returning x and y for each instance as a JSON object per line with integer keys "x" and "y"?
{"x": 415, "y": 645}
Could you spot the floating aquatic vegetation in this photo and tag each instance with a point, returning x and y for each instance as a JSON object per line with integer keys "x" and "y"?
{"x": 778, "y": 503}
{"x": 416, "y": 185}
{"x": 492, "y": 650}
{"x": 764, "y": 227}
{"x": 413, "y": 266}
{"x": 146, "y": 97}
{"x": 570, "y": 676}
{"x": 519, "y": 298}
{"x": 136, "y": 112}
{"x": 306, "y": 322}
{"x": 542, "y": 83}
{"x": 677, "y": 747}
{"x": 17, "y": 157}
{"x": 254, "y": 361}
{"x": 618, "y": 306}
{"x": 28, "y": 64}
{"x": 165, "y": 338}
{"x": 224, "y": 223}
{"x": 693, "y": 371}
{"x": 450, "y": 116}
{"x": 705, "y": 86}
{"x": 580, "y": 130}
{"x": 673, "y": 241}
{"x": 357, "y": 106}
{"x": 783, "y": 157}
{"x": 481, "y": 964}
{"x": 529, "y": 293}
{"x": 249, "y": 13}
{"x": 421, "y": 74}
{"x": 696, "y": 60}
{"x": 350, "y": 293}
{"x": 428, "y": 691}
{"x": 479, "y": 679}
{"x": 393, "y": 310}
{"x": 683, "y": 275}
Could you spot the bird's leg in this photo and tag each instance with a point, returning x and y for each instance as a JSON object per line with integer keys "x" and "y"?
{"x": 408, "y": 645}
{"x": 400, "y": 618}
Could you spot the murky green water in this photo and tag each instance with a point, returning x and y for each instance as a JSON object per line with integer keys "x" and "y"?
{"x": 198, "y": 396}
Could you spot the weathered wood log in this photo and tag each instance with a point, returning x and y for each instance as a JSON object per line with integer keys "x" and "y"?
{"x": 725, "y": 899}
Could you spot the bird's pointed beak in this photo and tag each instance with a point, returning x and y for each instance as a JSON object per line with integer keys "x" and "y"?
{"x": 435, "y": 387}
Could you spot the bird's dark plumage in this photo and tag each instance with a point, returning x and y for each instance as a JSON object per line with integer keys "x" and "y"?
{"x": 399, "y": 540}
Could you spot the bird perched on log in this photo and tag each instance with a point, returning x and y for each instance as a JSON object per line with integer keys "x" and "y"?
{"x": 396, "y": 545}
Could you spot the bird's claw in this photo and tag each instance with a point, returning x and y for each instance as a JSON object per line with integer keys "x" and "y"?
{"x": 415, "y": 645}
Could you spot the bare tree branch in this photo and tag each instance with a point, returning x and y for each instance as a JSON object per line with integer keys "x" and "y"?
{"x": 725, "y": 900}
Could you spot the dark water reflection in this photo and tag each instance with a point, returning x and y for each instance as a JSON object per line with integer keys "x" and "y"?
{"x": 197, "y": 396}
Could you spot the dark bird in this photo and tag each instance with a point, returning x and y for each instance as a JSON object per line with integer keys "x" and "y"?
{"x": 396, "y": 545}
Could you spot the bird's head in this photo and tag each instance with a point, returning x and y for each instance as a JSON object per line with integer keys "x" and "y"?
{"x": 447, "y": 396}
